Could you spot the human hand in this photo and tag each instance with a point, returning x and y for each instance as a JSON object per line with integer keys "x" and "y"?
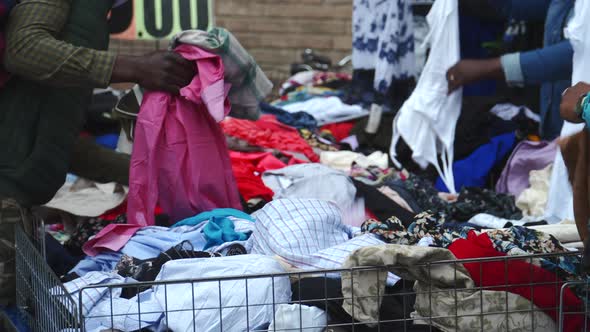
{"x": 159, "y": 71}
{"x": 469, "y": 71}
{"x": 569, "y": 102}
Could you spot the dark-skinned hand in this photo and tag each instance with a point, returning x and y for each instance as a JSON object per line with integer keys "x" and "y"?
{"x": 470, "y": 71}
{"x": 158, "y": 71}
{"x": 570, "y": 99}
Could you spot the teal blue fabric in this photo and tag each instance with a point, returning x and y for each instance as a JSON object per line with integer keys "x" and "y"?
{"x": 586, "y": 112}
{"x": 217, "y": 213}
{"x": 220, "y": 230}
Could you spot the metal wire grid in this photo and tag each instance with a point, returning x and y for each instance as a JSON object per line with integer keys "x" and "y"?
{"x": 48, "y": 307}
{"x": 400, "y": 324}
{"x": 41, "y": 297}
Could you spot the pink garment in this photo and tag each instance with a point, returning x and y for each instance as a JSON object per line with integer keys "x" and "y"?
{"x": 180, "y": 159}
{"x": 113, "y": 237}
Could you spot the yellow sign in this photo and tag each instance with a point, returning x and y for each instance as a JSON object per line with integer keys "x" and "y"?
{"x": 160, "y": 19}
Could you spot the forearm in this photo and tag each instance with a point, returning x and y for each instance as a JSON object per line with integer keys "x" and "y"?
{"x": 552, "y": 63}
{"x": 125, "y": 69}
{"x": 492, "y": 69}
{"x": 34, "y": 52}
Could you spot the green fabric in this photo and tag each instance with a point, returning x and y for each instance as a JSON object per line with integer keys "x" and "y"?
{"x": 249, "y": 84}
{"x": 39, "y": 124}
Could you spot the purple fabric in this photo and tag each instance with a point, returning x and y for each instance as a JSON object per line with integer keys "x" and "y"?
{"x": 527, "y": 156}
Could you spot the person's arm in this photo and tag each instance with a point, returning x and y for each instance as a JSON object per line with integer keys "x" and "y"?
{"x": 546, "y": 64}
{"x": 572, "y": 108}
{"x": 527, "y": 10}
{"x": 470, "y": 71}
{"x": 34, "y": 52}
{"x": 551, "y": 63}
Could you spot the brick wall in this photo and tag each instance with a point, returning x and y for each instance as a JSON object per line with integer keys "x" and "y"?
{"x": 277, "y": 31}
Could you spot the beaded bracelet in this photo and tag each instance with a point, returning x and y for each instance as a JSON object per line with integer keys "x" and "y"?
{"x": 582, "y": 109}
{"x": 581, "y": 104}
{"x": 585, "y": 112}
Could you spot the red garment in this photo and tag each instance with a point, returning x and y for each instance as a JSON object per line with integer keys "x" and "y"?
{"x": 269, "y": 133}
{"x": 113, "y": 214}
{"x": 370, "y": 215}
{"x": 544, "y": 294}
{"x": 248, "y": 169}
{"x": 340, "y": 130}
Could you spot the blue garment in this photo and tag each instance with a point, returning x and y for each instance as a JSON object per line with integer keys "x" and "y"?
{"x": 109, "y": 141}
{"x": 220, "y": 230}
{"x": 550, "y": 66}
{"x": 474, "y": 32}
{"x": 151, "y": 241}
{"x": 473, "y": 170}
{"x": 218, "y": 213}
{"x": 104, "y": 308}
{"x": 247, "y": 303}
{"x": 299, "y": 120}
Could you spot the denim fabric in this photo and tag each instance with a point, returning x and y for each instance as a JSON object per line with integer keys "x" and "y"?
{"x": 550, "y": 66}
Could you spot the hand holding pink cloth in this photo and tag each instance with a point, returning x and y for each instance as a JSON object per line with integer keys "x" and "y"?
{"x": 180, "y": 158}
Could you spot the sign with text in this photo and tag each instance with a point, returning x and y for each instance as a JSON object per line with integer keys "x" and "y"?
{"x": 160, "y": 19}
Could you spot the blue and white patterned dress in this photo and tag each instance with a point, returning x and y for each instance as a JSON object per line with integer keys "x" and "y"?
{"x": 383, "y": 40}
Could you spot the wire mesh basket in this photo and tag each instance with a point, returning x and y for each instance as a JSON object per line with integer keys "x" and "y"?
{"x": 229, "y": 303}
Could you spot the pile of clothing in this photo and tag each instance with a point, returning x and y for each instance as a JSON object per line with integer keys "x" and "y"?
{"x": 249, "y": 200}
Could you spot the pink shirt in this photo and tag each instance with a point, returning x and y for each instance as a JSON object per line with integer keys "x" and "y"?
{"x": 180, "y": 159}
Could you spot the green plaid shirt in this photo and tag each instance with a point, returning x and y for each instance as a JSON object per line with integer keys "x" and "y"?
{"x": 34, "y": 52}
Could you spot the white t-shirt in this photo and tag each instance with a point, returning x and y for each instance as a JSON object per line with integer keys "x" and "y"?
{"x": 428, "y": 119}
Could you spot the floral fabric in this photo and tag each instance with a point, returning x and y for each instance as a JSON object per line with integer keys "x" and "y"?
{"x": 88, "y": 228}
{"x": 470, "y": 202}
{"x": 516, "y": 240}
{"x": 373, "y": 175}
{"x": 383, "y": 40}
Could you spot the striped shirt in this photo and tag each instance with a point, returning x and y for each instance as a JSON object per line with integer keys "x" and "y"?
{"x": 308, "y": 234}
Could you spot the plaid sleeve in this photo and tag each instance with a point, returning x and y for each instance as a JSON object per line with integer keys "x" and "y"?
{"x": 34, "y": 52}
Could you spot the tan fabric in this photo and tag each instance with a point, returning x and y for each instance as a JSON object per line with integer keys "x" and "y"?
{"x": 533, "y": 200}
{"x": 576, "y": 155}
{"x": 443, "y": 292}
{"x": 565, "y": 233}
{"x": 85, "y": 198}
{"x": 342, "y": 160}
